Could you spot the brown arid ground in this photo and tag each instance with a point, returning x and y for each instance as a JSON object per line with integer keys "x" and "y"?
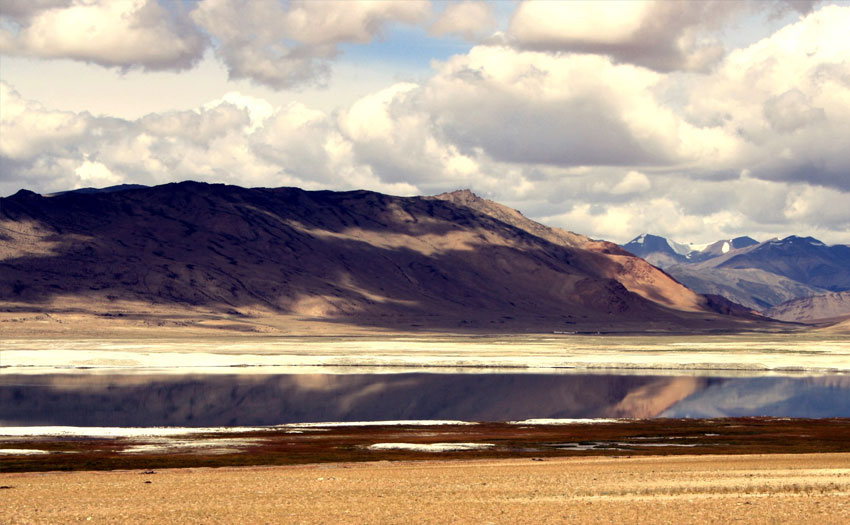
{"x": 802, "y": 488}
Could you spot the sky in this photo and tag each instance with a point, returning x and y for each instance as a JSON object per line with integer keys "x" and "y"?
{"x": 697, "y": 121}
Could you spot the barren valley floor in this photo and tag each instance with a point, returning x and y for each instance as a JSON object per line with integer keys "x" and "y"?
{"x": 810, "y": 488}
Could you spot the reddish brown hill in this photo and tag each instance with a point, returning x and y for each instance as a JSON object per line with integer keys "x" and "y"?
{"x": 599, "y": 258}
{"x": 357, "y": 257}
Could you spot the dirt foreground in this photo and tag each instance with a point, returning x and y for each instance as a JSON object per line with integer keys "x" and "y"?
{"x": 801, "y": 488}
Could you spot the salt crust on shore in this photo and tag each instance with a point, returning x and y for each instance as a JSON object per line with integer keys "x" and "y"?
{"x": 180, "y": 431}
{"x": 213, "y": 446}
{"x": 405, "y": 422}
{"x": 430, "y": 447}
{"x": 106, "y": 432}
{"x": 543, "y": 421}
{"x": 22, "y": 452}
{"x": 756, "y": 354}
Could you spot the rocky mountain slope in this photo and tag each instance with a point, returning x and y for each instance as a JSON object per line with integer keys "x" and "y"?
{"x": 448, "y": 262}
{"x": 751, "y": 287}
{"x": 812, "y": 309}
{"x": 756, "y": 275}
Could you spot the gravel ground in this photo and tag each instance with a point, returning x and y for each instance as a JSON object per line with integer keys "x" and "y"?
{"x": 684, "y": 489}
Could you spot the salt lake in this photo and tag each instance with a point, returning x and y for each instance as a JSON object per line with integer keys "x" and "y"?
{"x": 109, "y": 398}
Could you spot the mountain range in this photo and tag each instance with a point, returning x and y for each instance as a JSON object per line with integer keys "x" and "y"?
{"x": 664, "y": 252}
{"x": 266, "y": 259}
{"x": 758, "y": 275}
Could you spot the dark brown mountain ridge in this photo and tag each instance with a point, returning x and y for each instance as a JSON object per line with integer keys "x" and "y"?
{"x": 449, "y": 262}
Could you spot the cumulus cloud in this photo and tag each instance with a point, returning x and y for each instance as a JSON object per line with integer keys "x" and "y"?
{"x": 786, "y": 102}
{"x": 569, "y": 110}
{"x": 472, "y": 20}
{"x": 620, "y": 221}
{"x": 284, "y": 46}
{"x": 121, "y": 33}
{"x": 791, "y": 110}
{"x": 529, "y": 108}
{"x": 23, "y": 9}
{"x": 273, "y": 43}
{"x": 30, "y": 130}
{"x": 237, "y": 139}
{"x": 824, "y": 208}
{"x": 702, "y": 211}
{"x": 660, "y": 35}
{"x": 632, "y": 182}
{"x": 391, "y": 132}
{"x": 96, "y": 175}
{"x": 803, "y": 7}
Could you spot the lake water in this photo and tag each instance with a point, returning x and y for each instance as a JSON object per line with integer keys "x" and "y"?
{"x": 108, "y": 399}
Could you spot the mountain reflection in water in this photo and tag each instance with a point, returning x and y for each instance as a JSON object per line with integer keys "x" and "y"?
{"x": 249, "y": 400}
{"x": 810, "y": 397}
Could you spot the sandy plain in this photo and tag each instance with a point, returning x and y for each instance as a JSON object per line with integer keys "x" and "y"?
{"x": 802, "y": 488}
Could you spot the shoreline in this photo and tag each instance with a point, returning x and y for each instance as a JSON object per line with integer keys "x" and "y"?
{"x": 307, "y": 443}
{"x": 747, "y": 353}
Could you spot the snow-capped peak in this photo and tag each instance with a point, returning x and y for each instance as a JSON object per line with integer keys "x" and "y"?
{"x": 698, "y": 247}
{"x": 681, "y": 249}
{"x": 726, "y": 247}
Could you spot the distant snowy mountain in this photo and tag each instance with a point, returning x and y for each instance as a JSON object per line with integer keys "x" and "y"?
{"x": 657, "y": 250}
{"x": 664, "y": 252}
{"x": 723, "y": 247}
{"x": 803, "y": 259}
{"x": 756, "y": 275}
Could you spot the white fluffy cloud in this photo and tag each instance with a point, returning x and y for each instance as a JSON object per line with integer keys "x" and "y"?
{"x": 472, "y": 20}
{"x": 30, "y": 130}
{"x": 620, "y": 221}
{"x": 632, "y": 182}
{"x": 702, "y": 211}
{"x": 23, "y": 9}
{"x": 661, "y": 35}
{"x": 786, "y": 100}
{"x": 500, "y": 113}
{"x": 568, "y": 110}
{"x": 657, "y": 34}
{"x": 273, "y": 43}
{"x": 122, "y": 33}
{"x": 288, "y": 45}
{"x": 390, "y": 133}
{"x": 36, "y": 143}
{"x": 237, "y": 139}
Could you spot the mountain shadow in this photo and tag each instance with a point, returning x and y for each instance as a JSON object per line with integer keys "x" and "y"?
{"x": 453, "y": 261}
